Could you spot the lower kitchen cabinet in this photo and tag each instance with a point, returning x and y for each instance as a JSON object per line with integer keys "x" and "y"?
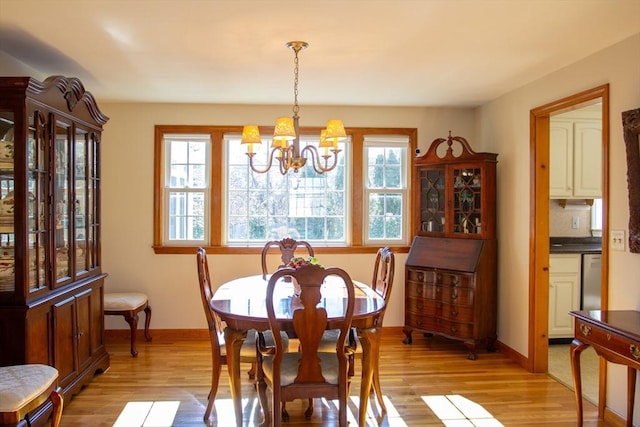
{"x": 564, "y": 293}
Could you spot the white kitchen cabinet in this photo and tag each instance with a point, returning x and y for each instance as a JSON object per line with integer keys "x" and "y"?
{"x": 575, "y": 159}
{"x": 564, "y": 293}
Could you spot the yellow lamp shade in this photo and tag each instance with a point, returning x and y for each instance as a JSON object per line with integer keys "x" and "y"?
{"x": 335, "y": 129}
{"x": 251, "y": 135}
{"x": 284, "y": 128}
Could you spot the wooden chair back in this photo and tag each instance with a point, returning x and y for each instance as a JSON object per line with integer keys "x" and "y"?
{"x": 215, "y": 327}
{"x": 310, "y": 320}
{"x": 287, "y": 247}
{"x": 383, "y": 271}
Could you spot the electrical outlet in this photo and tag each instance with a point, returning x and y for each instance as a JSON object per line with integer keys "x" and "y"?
{"x": 575, "y": 222}
{"x": 616, "y": 240}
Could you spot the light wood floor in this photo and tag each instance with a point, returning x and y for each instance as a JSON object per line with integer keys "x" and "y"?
{"x": 175, "y": 376}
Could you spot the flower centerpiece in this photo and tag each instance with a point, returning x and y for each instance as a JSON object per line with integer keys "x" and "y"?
{"x": 299, "y": 261}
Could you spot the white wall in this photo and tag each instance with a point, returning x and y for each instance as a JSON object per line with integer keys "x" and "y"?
{"x": 504, "y": 128}
{"x": 171, "y": 280}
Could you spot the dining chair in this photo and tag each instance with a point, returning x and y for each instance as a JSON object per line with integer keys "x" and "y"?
{"x": 216, "y": 335}
{"x": 287, "y": 247}
{"x": 305, "y": 373}
{"x": 382, "y": 283}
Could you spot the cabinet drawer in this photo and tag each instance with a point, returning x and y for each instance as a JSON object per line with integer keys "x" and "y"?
{"x": 611, "y": 342}
{"x": 421, "y": 290}
{"x": 421, "y": 276}
{"x": 452, "y": 279}
{"x": 447, "y": 294}
{"x": 436, "y": 324}
{"x": 439, "y": 309}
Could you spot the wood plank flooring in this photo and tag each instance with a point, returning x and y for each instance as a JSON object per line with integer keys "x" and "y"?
{"x": 175, "y": 377}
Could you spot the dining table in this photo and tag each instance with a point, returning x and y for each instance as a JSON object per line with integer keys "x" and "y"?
{"x": 241, "y": 304}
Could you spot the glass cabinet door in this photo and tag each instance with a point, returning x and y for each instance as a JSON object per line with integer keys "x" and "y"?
{"x": 7, "y": 231}
{"x": 467, "y": 191}
{"x": 432, "y": 200}
{"x": 80, "y": 206}
{"x": 37, "y": 228}
{"x": 61, "y": 192}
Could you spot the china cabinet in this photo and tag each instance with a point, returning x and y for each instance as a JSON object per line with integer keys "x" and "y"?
{"x": 51, "y": 278}
{"x": 450, "y": 272}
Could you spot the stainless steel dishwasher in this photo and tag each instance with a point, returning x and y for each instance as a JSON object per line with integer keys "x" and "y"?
{"x": 591, "y": 277}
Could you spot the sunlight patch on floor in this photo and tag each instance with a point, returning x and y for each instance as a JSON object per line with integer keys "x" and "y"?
{"x": 456, "y": 410}
{"x": 148, "y": 414}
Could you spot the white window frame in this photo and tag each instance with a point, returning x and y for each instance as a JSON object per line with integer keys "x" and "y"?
{"x": 168, "y": 138}
{"x": 387, "y": 141}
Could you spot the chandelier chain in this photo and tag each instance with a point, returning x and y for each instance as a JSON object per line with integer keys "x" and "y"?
{"x": 296, "y": 107}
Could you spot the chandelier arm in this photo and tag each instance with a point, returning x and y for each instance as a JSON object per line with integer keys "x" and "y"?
{"x": 315, "y": 159}
{"x": 266, "y": 169}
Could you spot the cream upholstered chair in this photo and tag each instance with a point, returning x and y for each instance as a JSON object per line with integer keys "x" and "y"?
{"x": 216, "y": 335}
{"x": 129, "y": 304}
{"x": 306, "y": 373}
{"x": 24, "y": 388}
{"x": 287, "y": 247}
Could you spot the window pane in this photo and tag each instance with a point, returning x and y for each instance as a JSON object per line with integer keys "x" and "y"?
{"x": 186, "y": 215}
{"x": 303, "y": 205}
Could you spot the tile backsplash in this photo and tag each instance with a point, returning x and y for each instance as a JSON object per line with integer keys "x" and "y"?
{"x": 561, "y": 219}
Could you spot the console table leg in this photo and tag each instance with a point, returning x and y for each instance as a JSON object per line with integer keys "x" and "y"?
{"x": 631, "y": 393}
{"x": 577, "y": 347}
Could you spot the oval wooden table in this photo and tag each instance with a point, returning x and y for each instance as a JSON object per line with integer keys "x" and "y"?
{"x": 240, "y": 303}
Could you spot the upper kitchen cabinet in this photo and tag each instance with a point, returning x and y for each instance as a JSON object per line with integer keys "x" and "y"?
{"x": 51, "y": 278}
{"x": 454, "y": 191}
{"x": 576, "y": 154}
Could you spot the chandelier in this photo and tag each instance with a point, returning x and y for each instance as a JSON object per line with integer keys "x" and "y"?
{"x": 285, "y": 144}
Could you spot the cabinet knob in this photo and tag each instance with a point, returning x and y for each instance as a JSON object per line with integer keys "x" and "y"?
{"x": 454, "y": 295}
{"x": 419, "y": 307}
{"x": 454, "y": 329}
{"x": 585, "y": 329}
{"x": 454, "y": 313}
{"x": 635, "y": 351}
{"x": 419, "y": 290}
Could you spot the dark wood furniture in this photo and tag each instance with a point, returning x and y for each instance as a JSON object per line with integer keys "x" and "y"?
{"x": 51, "y": 278}
{"x": 287, "y": 248}
{"x": 450, "y": 273}
{"x": 246, "y": 310}
{"x": 306, "y": 373}
{"x": 615, "y": 336}
{"x": 129, "y": 305}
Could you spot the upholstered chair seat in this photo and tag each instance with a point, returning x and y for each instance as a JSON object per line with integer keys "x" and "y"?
{"x": 128, "y": 305}
{"x": 24, "y": 388}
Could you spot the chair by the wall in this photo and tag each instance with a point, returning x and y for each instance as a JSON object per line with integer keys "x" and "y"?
{"x": 128, "y": 305}
{"x": 306, "y": 373}
{"x": 287, "y": 247}
{"x": 24, "y": 388}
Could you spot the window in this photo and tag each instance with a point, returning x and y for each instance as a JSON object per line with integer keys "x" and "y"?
{"x": 270, "y": 206}
{"x": 385, "y": 188}
{"x": 186, "y": 185}
{"x": 207, "y": 195}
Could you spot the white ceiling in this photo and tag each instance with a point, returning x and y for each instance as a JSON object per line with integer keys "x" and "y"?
{"x": 362, "y": 52}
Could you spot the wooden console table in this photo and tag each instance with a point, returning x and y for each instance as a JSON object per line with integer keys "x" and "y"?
{"x": 615, "y": 336}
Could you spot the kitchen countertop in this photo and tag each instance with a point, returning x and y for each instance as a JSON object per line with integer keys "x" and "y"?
{"x": 573, "y": 245}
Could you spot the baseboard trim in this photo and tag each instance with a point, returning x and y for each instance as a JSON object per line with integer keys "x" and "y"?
{"x": 513, "y": 355}
{"x": 162, "y": 335}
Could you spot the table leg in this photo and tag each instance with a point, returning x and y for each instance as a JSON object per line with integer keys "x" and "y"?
{"x": 577, "y": 347}
{"x": 233, "y": 341}
{"x": 370, "y": 340}
{"x": 631, "y": 393}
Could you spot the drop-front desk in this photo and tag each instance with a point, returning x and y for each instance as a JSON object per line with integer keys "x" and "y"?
{"x": 615, "y": 336}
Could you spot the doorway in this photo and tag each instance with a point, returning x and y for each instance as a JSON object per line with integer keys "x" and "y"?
{"x": 539, "y": 225}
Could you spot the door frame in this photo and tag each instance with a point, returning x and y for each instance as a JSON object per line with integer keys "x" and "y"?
{"x": 539, "y": 224}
